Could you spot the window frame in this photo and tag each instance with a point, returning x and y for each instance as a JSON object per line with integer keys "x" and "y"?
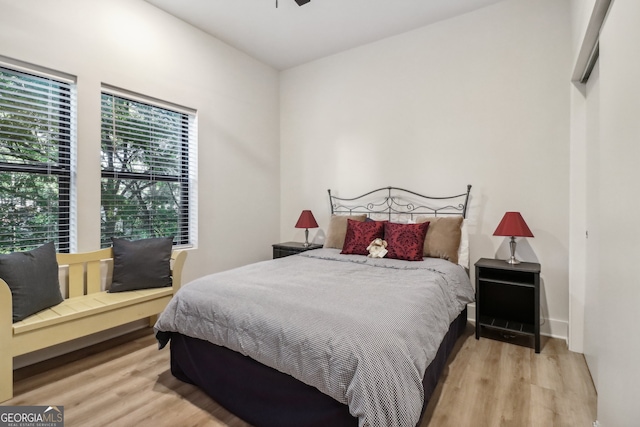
{"x": 185, "y": 229}
{"x": 64, "y": 167}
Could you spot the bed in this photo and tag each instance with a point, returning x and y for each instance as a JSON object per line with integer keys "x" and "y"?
{"x": 331, "y": 336}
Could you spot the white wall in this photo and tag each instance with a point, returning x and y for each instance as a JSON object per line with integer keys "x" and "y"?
{"x": 480, "y": 99}
{"x": 135, "y": 46}
{"x": 618, "y": 206}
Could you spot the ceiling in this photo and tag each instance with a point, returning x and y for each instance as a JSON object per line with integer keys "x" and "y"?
{"x": 291, "y": 35}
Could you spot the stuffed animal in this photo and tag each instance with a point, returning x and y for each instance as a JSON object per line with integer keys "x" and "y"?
{"x": 377, "y": 248}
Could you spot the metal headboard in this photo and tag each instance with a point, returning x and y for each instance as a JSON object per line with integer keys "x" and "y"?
{"x": 393, "y": 202}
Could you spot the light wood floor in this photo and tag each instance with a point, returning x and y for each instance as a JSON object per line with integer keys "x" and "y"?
{"x": 126, "y": 382}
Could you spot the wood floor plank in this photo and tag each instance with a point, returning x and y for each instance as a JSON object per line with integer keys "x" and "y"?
{"x": 487, "y": 383}
{"x": 556, "y": 409}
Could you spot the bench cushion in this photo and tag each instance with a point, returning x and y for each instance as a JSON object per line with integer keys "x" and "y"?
{"x": 32, "y": 277}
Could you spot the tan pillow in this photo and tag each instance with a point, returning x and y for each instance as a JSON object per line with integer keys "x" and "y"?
{"x": 443, "y": 237}
{"x": 338, "y": 229}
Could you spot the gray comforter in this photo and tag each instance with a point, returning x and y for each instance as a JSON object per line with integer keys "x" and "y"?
{"x": 359, "y": 329}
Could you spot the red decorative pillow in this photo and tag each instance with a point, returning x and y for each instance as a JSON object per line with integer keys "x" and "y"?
{"x": 360, "y": 234}
{"x": 405, "y": 241}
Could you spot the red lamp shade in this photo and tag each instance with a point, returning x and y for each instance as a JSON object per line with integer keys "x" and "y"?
{"x": 513, "y": 224}
{"x": 306, "y": 220}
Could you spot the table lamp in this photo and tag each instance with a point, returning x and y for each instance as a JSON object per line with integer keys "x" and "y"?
{"x": 513, "y": 225}
{"x": 306, "y": 221}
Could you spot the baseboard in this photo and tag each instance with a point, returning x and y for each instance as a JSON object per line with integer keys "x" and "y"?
{"x": 548, "y": 327}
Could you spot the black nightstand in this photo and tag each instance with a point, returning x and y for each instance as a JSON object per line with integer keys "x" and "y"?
{"x": 508, "y": 297}
{"x": 291, "y": 248}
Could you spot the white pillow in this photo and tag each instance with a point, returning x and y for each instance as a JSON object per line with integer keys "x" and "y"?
{"x": 463, "y": 249}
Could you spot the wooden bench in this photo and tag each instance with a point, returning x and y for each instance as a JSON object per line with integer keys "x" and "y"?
{"x": 86, "y": 309}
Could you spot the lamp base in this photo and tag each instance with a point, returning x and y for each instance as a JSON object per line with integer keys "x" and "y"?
{"x": 512, "y": 246}
{"x": 306, "y": 238}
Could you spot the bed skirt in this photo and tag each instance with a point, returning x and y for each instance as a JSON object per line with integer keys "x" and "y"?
{"x": 266, "y": 397}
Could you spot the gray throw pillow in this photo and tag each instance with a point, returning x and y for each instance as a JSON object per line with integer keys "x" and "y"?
{"x": 32, "y": 277}
{"x": 141, "y": 264}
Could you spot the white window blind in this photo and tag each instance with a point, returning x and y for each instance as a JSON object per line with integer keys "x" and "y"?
{"x": 37, "y": 137}
{"x": 147, "y": 162}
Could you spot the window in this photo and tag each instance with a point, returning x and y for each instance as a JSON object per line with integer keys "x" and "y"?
{"x": 37, "y": 132}
{"x": 147, "y": 158}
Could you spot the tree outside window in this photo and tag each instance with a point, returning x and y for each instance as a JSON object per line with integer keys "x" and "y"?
{"x": 145, "y": 171}
{"x": 36, "y": 134}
